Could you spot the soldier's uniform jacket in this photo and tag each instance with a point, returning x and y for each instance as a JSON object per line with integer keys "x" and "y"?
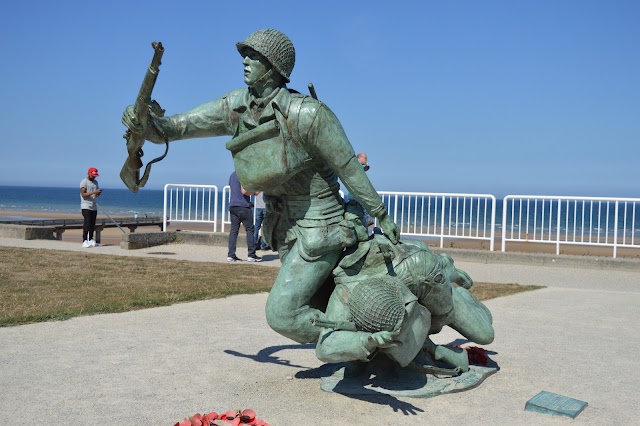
{"x": 293, "y": 148}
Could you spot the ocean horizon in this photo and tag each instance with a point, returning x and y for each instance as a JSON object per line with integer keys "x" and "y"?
{"x": 63, "y": 200}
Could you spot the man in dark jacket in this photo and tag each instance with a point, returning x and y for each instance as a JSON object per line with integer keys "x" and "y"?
{"x": 240, "y": 211}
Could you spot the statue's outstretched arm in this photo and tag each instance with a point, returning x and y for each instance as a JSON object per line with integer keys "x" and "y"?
{"x": 206, "y": 120}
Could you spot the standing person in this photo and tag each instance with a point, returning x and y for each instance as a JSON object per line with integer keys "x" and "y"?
{"x": 240, "y": 212}
{"x": 260, "y": 213}
{"x": 362, "y": 159}
{"x": 293, "y": 148}
{"x": 89, "y": 191}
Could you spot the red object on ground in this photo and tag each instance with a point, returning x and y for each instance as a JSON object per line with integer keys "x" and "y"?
{"x": 231, "y": 417}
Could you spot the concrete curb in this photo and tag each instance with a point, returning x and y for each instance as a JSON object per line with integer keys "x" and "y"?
{"x": 540, "y": 259}
{"x": 151, "y": 239}
{"x": 139, "y": 241}
{"x": 27, "y": 232}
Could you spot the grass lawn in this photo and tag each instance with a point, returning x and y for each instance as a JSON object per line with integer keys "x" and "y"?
{"x": 43, "y": 285}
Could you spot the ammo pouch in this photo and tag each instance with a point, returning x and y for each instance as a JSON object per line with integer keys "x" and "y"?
{"x": 317, "y": 241}
{"x": 268, "y": 155}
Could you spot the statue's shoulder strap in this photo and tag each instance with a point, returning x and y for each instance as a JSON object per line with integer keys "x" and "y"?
{"x": 302, "y": 112}
{"x": 297, "y": 99}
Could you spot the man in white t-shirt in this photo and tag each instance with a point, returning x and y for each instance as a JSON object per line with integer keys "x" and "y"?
{"x": 89, "y": 191}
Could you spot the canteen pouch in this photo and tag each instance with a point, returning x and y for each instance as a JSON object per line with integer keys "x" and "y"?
{"x": 267, "y": 156}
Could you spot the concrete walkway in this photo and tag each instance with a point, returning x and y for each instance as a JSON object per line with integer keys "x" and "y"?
{"x": 578, "y": 337}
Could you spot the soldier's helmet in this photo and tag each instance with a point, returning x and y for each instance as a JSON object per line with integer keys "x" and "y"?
{"x": 377, "y": 304}
{"x": 273, "y": 45}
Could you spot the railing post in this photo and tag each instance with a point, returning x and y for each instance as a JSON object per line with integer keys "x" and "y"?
{"x": 164, "y": 210}
{"x": 615, "y": 231}
{"x": 442, "y": 223}
{"x": 493, "y": 222}
{"x": 215, "y": 210}
{"x": 395, "y": 210}
{"x": 558, "y": 229}
{"x": 505, "y": 203}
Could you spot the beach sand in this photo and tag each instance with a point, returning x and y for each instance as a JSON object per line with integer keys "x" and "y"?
{"x": 114, "y": 235}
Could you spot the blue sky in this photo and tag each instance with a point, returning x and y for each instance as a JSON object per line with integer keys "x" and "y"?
{"x": 500, "y": 97}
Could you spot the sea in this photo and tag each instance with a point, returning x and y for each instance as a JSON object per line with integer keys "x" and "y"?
{"x": 115, "y": 202}
{"x": 589, "y": 218}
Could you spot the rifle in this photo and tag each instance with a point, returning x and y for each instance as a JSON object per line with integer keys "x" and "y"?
{"x": 130, "y": 173}
{"x": 312, "y": 90}
{"x": 336, "y": 325}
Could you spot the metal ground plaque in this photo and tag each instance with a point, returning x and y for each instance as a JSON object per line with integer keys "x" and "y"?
{"x": 554, "y": 404}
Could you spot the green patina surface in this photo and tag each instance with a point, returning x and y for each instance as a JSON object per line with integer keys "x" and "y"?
{"x": 556, "y": 405}
{"x": 293, "y": 148}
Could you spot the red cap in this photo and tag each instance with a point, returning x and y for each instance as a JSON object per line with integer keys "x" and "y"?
{"x": 93, "y": 172}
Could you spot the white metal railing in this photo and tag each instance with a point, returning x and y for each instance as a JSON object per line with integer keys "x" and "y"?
{"x": 190, "y": 203}
{"x": 421, "y": 214}
{"x": 590, "y": 221}
{"x": 443, "y": 215}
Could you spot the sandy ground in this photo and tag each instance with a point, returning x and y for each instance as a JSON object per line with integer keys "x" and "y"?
{"x": 577, "y": 337}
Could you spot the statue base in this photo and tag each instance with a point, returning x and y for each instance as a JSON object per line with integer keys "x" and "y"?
{"x": 375, "y": 378}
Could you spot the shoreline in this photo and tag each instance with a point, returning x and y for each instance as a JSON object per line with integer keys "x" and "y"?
{"x": 114, "y": 236}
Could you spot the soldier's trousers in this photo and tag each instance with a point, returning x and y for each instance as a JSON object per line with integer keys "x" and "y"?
{"x": 288, "y": 311}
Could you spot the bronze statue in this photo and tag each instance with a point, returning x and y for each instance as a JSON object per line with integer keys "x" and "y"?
{"x": 292, "y": 148}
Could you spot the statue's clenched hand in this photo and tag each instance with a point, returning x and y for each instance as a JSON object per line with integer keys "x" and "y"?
{"x": 130, "y": 120}
{"x": 390, "y": 229}
{"x": 382, "y": 340}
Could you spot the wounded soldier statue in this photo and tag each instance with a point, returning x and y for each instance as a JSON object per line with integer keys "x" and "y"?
{"x": 388, "y": 298}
